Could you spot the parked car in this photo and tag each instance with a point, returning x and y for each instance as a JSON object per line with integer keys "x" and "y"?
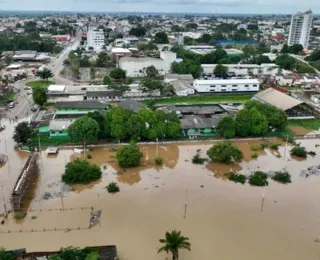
{"x": 11, "y": 105}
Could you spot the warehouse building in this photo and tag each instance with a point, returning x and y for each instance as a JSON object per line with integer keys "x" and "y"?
{"x": 226, "y": 85}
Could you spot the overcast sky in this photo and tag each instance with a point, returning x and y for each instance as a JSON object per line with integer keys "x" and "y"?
{"x": 192, "y": 6}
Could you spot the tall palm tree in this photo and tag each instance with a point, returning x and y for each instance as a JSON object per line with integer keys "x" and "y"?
{"x": 44, "y": 74}
{"x": 173, "y": 242}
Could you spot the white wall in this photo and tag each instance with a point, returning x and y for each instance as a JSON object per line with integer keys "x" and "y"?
{"x": 52, "y": 99}
{"x": 208, "y": 86}
{"x": 185, "y": 92}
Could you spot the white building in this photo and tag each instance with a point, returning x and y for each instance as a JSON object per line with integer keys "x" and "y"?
{"x": 244, "y": 69}
{"x": 135, "y": 66}
{"x": 95, "y": 39}
{"x": 226, "y": 85}
{"x": 300, "y": 27}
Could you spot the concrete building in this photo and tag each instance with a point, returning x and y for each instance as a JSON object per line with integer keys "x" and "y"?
{"x": 244, "y": 69}
{"x": 226, "y": 85}
{"x": 95, "y": 39}
{"x": 119, "y": 52}
{"x": 182, "y": 83}
{"x": 135, "y": 66}
{"x": 300, "y": 27}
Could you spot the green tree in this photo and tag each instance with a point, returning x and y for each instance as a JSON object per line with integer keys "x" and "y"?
{"x": 4, "y": 255}
{"x": 75, "y": 72}
{"x": 138, "y": 31}
{"x": 286, "y": 62}
{"x": 129, "y": 155}
{"x": 106, "y": 80}
{"x": 81, "y": 172}
{"x": 39, "y": 95}
{"x": 84, "y": 129}
{"x": 258, "y": 123}
{"x": 225, "y": 152}
{"x": 92, "y": 73}
{"x": 8, "y": 59}
{"x": 119, "y": 118}
{"x": 151, "y": 71}
{"x": 99, "y": 118}
{"x": 22, "y": 133}
{"x": 173, "y": 242}
{"x": 44, "y": 74}
{"x": 243, "y": 123}
{"x": 118, "y": 74}
{"x": 149, "y": 85}
{"x": 119, "y": 87}
{"x": 227, "y": 127}
{"x": 295, "y": 48}
{"x": 136, "y": 127}
{"x": 103, "y": 59}
{"x": 161, "y": 38}
{"x": 220, "y": 70}
{"x": 173, "y": 129}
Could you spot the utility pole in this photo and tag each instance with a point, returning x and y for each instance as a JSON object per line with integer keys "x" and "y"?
{"x": 285, "y": 148}
{"x": 39, "y": 144}
{"x": 157, "y": 153}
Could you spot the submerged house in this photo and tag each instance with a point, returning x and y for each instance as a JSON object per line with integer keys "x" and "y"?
{"x": 67, "y": 112}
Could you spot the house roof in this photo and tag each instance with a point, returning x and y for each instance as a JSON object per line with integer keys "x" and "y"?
{"x": 180, "y": 85}
{"x": 132, "y": 105}
{"x": 89, "y": 104}
{"x": 195, "y": 122}
{"x": 277, "y": 99}
{"x": 60, "y": 124}
{"x": 103, "y": 93}
{"x": 179, "y": 76}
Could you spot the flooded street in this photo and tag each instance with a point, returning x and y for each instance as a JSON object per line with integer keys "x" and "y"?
{"x": 222, "y": 219}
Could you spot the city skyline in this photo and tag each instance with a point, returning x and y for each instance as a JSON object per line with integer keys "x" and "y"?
{"x": 166, "y": 6}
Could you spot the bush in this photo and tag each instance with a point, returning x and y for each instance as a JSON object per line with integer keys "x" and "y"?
{"x": 158, "y": 160}
{"x": 283, "y": 177}
{"x": 4, "y": 255}
{"x": 225, "y": 152}
{"x": 258, "y": 178}
{"x": 255, "y": 147}
{"x": 81, "y": 172}
{"x": 312, "y": 153}
{"x": 264, "y": 145}
{"x": 89, "y": 156}
{"x": 113, "y": 187}
{"x": 20, "y": 215}
{"x": 254, "y": 156}
{"x": 237, "y": 177}
{"x": 198, "y": 160}
{"x": 275, "y": 146}
{"x": 129, "y": 156}
{"x": 299, "y": 151}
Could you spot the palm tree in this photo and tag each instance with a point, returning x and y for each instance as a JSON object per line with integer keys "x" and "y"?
{"x": 44, "y": 74}
{"x": 173, "y": 242}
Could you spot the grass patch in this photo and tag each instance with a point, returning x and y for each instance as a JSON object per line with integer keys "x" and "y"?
{"x": 313, "y": 124}
{"x": 238, "y": 178}
{"x": 299, "y": 151}
{"x": 8, "y": 97}
{"x": 264, "y": 144}
{"x": 275, "y": 146}
{"x": 158, "y": 160}
{"x": 255, "y": 147}
{"x": 254, "y": 156}
{"x": 40, "y": 83}
{"x": 282, "y": 177}
{"x": 89, "y": 156}
{"x": 112, "y": 187}
{"x": 259, "y": 179}
{"x": 45, "y": 141}
{"x": 197, "y": 99}
{"x": 20, "y": 215}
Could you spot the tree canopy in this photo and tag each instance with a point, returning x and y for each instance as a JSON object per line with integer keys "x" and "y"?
{"x": 151, "y": 71}
{"x": 44, "y": 74}
{"x": 138, "y": 31}
{"x": 225, "y": 152}
{"x": 81, "y": 172}
{"x": 227, "y": 127}
{"x": 161, "y": 38}
{"x": 39, "y": 95}
{"x": 174, "y": 241}
{"x": 118, "y": 74}
{"x": 22, "y": 133}
{"x": 84, "y": 129}
{"x": 129, "y": 155}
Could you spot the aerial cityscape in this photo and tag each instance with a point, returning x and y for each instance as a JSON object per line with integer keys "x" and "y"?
{"x": 138, "y": 130}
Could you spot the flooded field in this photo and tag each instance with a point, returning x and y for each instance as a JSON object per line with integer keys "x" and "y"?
{"x": 222, "y": 219}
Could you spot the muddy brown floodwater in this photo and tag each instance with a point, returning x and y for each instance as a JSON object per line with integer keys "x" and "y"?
{"x": 222, "y": 219}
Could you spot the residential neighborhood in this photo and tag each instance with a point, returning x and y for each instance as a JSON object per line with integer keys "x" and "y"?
{"x": 140, "y": 134}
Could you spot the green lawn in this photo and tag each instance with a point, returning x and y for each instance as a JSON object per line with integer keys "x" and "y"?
{"x": 198, "y": 99}
{"x": 10, "y": 96}
{"x": 313, "y": 124}
{"x": 45, "y": 141}
{"x": 39, "y": 83}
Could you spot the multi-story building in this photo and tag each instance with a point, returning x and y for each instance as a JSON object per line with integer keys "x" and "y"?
{"x": 95, "y": 38}
{"x": 300, "y": 27}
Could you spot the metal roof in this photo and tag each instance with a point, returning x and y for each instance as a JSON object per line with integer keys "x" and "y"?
{"x": 277, "y": 99}
{"x": 195, "y": 122}
{"x": 89, "y": 104}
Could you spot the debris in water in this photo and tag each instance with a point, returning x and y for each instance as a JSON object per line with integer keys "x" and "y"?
{"x": 316, "y": 240}
{"x": 201, "y": 186}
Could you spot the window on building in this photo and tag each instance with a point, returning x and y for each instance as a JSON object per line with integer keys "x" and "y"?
{"x": 234, "y": 89}
{"x": 255, "y": 85}
{"x": 212, "y": 86}
{"x": 246, "y": 86}
{"x": 223, "y": 86}
{"x": 53, "y": 132}
{"x": 223, "y": 90}
{"x": 234, "y": 85}
{"x": 212, "y": 90}
{"x": 60, "y": 132}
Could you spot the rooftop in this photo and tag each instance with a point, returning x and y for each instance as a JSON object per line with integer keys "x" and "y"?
{"x": 121, "y": 50}
{"x": 131, "y": 105}
{"x": 88, "y": 104}
{"x": 195, "y": 122}
{"x": 277, "y": 99}
{"x": 59, "y": 124}
{"x": 227, "y": 81}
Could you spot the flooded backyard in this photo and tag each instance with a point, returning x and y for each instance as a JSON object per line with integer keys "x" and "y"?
{"x": 223, "y": 219}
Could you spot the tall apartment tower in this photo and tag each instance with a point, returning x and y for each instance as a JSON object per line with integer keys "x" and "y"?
{"x": 95, "y": 38}
{"x": 300, "y": 28}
